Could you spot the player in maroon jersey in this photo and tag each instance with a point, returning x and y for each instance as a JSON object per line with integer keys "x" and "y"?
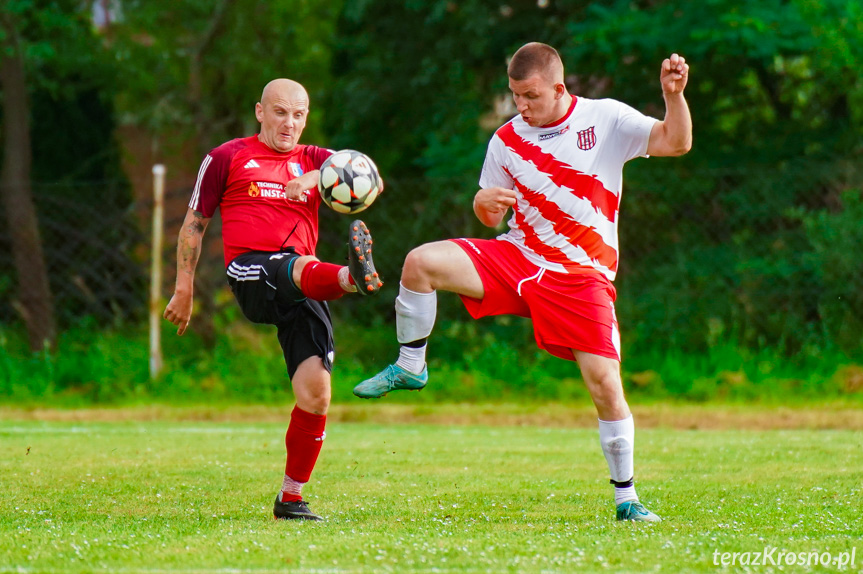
{"x": 264, "y": 186}
{"x": 558, "y": 165}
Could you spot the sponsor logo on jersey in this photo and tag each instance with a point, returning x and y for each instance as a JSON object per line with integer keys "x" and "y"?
{"x": 295, "y": 168}
{"x": 250, "y": 164}
{"x": 272, "y": 190}
{"x": 586, "y": 139}
{"x": 549, "y": 135}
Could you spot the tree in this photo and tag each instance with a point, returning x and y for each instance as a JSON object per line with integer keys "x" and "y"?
{"x": 58, "y": 122}
{"x": 777, "y": 110}
{"x": 35, "y": 302}
{"x": 421, "y": 76}
{"x": 714, "y": 238}
{"x": 192, "y": 74}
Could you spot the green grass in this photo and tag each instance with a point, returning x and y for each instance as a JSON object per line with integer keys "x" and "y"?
{"x": 471, "y": 361}
{"x": 182, "y": 496}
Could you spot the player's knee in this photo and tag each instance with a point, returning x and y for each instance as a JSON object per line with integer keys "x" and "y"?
{"x": 604, "y": 382}
{"x": 432, "y": 258}
{"x": 313, "y": 398}
{"x": 318, "y": 403}
{"x": 417, "y": 258}
{"x": 418, "y": 263}
{"x": 297, "y": 266}
{"x": 606, "y": 391}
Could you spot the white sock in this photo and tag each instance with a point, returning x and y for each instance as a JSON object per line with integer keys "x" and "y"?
{"x": 291, "y": 486}
{"x": 412, "y": 359}
{"x": 415, "y": 314}
{"x": 618, "y": 440}
{"x": 624, "y": 494}
{"x": 345, "y": 280}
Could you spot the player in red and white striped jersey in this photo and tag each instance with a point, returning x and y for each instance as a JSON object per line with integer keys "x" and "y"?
{"x": 263, "y": 187}
{"x": 559, "y": 166}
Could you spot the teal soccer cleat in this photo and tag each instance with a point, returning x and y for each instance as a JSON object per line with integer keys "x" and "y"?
{"x": 635, "y": 511}
{"x": 393, "y": 378}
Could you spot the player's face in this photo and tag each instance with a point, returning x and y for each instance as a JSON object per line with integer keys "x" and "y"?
{"x": 537, "y": 99}
{"x": 283, "y": 118}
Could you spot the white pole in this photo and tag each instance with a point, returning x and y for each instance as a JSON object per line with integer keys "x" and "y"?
{"x": 156, "y": 271}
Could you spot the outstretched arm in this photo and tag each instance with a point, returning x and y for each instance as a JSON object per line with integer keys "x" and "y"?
{"x": 673, "y": 135}
{"x": 491, "y": 204}
{"x": 179, "y": 309}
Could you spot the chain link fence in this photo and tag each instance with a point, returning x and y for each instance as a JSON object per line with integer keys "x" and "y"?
{"x": 95, "y": 249}
{"x": 764, "y": 255}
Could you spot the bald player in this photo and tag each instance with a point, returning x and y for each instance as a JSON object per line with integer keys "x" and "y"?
{"x": 558, "y": 165}
{"x": 264, "y": 185}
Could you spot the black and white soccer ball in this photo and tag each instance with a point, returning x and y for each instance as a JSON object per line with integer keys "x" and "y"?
{"x": 349, "y": 181}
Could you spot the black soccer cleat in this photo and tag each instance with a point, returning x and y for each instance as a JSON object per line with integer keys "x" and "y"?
{"x": 293, "y": 510}
{"x": 360, "y": 264}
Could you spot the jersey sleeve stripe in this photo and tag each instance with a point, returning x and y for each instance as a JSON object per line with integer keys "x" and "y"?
{"x": 194, "y": 203}
{"x": 564, "y": 176}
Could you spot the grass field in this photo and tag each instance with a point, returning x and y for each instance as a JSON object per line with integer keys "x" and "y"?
{"x": 86, "y": 492}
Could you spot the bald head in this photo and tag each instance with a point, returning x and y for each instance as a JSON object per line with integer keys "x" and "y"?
{"x": 536, "y": 58}
{"x": 282, "y": 111}
{"x": 283, "y": 88}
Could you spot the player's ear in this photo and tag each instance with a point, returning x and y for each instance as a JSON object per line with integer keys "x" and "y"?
{"x": 259, "y": 112}
{"x": 559, "y": 91}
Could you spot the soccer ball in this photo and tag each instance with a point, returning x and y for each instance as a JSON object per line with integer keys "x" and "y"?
{"x": 349, "y": 181}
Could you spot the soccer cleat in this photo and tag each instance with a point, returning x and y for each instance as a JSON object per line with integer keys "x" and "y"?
{"x": 360, "y": 263}
{"x": 635, "y": 511}
{"x": 393, "y": 378}
{"x": 293, "y": 510}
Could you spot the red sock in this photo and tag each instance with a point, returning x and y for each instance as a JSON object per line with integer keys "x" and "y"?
{"x": 320, "y": 281}
{"x": 303, "y": 441}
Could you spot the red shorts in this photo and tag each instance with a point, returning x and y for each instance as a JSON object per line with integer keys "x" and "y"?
{"x": 569, "y": 310}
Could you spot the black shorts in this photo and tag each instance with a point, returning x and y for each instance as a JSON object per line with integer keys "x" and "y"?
{"x": 262, "y": 284}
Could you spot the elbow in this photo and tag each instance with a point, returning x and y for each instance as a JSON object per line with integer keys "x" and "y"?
{"x": 682, "y": 147}
{"x": 488, "y": 221}
{"x": 485, "y": 221}
{"x": 670, "y": 144}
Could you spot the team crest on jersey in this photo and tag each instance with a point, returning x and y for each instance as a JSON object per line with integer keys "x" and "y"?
{"x": 296, "y": 169}
{"x": 586, "y": 139}
{"x": 549, "y": 135}
{"x": 254, "y": 190}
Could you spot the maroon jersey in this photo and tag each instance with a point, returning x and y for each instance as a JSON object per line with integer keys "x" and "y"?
{"x": 246, "y": 179}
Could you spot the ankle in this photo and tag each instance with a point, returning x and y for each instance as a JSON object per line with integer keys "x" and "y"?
{"x": 346, "y": 282}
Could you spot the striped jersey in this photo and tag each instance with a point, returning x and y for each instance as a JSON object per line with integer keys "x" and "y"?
{"x": 568, "y": 178}
{"x": 245, "y": 179}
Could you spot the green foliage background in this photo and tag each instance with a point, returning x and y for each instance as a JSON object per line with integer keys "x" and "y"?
{"x": 738, "y": 258}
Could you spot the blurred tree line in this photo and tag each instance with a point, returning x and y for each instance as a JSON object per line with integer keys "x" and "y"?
{"x": 752, "y": 236}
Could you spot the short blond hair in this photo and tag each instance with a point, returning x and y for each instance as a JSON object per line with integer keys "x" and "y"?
{"x": 536, "y": 58}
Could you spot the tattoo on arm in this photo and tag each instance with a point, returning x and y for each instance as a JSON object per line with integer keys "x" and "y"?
{"x": 189, "y": 245}
{"x": 197, "y": 226}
